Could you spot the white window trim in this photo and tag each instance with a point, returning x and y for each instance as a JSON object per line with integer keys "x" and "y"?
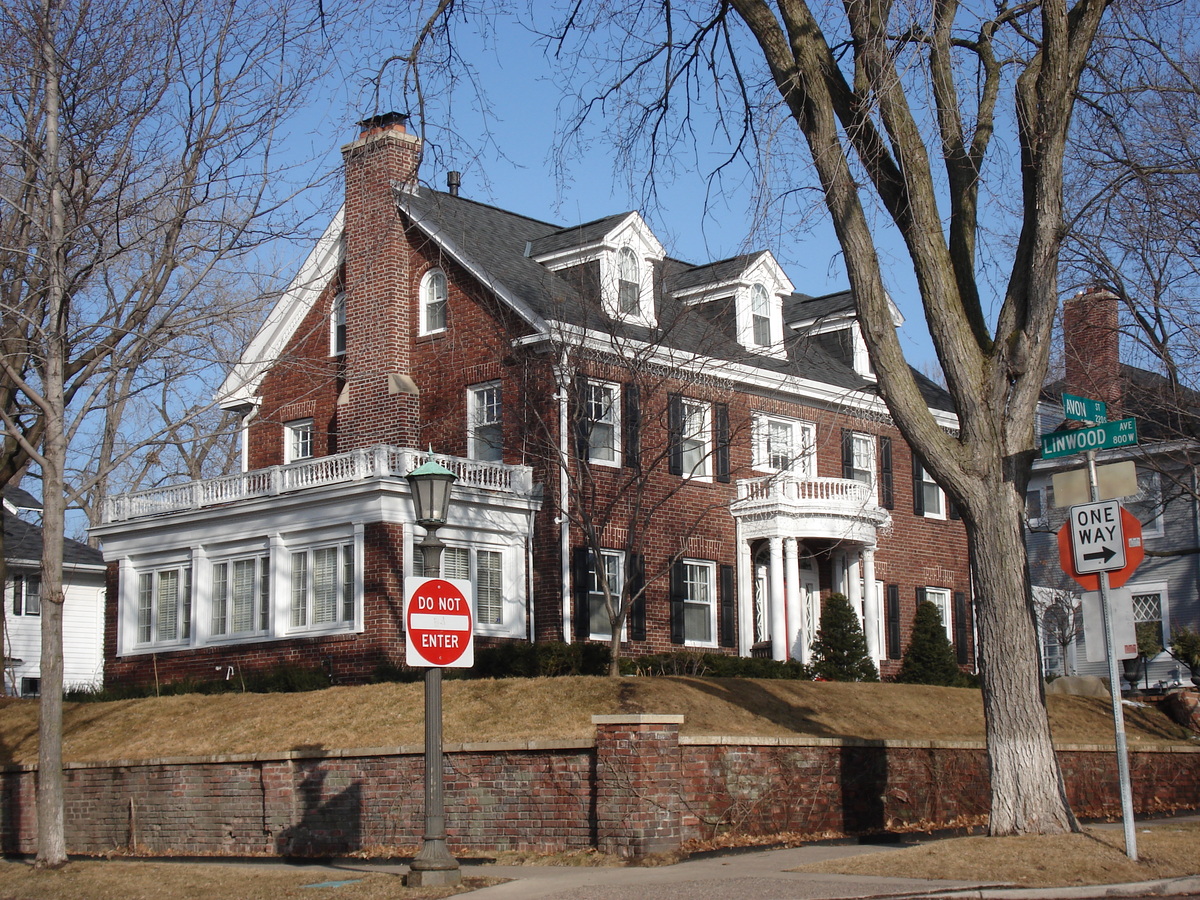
{"x": 804, "y": 465}
{"x": 615, "y": 414}
{"x": 927, "y": 480}
{"x": 185, "y": 624}
{"x": 340, "y": 623}
{"x": 1164, "y": 601}
{"x": 423, "y": 301}
{"x": 618, "y": 589}
{"x": 291, "y": 433}
{"x": 705, "y": 436}
{"x": 20, "y": 591}
{"x": 474, "y": 447}
{"x": 871, "y": 442}
{"x": 262, "y": 581}
{"x": 710, "y": 568}
{"x": 512, "y": 620}
{"x": 946, "y": 610}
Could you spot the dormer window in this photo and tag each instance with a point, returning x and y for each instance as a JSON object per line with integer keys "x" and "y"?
{"x": 760, "y": 315}
{"x": 629, "y": 283}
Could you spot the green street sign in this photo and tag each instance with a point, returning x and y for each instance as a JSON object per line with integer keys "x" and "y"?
{"x": 1121, "y": 433}
{"x": 1084, "y": 409}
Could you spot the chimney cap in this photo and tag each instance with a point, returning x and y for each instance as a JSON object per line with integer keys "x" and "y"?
{"x": 383, "y": 120}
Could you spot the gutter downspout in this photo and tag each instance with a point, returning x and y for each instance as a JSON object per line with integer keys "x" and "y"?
{"x": 564, "y": 483}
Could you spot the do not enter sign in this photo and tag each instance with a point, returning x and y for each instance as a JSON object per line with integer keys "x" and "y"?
{"x": 438, "y": 623}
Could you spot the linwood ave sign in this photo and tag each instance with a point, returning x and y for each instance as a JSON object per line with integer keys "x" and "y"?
{"x": 1121, "y": 433}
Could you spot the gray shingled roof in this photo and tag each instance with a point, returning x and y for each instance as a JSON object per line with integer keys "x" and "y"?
{"x": 23, "y": 541}
{"x": 803, "y": 308}
{"x": 500, "y": 245}
{"x": 21, "y": 498}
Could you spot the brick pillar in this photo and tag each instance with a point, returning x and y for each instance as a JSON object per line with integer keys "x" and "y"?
{"x": 380, "y": 291}
{"x": 1092, "y": 344}
{"x": 637, "y": 784}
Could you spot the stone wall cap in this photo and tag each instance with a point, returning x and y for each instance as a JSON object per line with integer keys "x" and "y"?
{"x": 638, "y": 719}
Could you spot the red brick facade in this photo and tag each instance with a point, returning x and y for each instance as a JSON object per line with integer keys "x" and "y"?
{"x": 638, "y": 788}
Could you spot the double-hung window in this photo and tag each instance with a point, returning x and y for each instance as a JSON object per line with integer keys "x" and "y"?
{"x": 699, "y": 602}
{"x": 760, "y": 315}
{"x": 433, "y": 302}
{"x": 610, "y": 574}
{"x": 241, "y": 596}
{"x": 484, "y": 422}
{"x": 487, "y": 577}
{"x": 322, "y": 587}
{"x": 27, "y": 595}
{"x": 165, "y": 606}
{"x": 298, "y": 440}
{"x": 337, "y": 325}
{"x": 929, "y": 499}
{"x": 940, "y": 597}
{"x": 695, "y": 438}
{"x": 603, "y": 422}
{"x": 629, "y": 283}
{"x": 784, "y": 445}
{"x": 862, "y": 458}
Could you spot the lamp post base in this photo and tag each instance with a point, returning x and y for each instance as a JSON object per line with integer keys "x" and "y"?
{"x": 434, "y": 877}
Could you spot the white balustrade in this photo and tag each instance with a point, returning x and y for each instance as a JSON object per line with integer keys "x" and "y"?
{"x": 342, "y": 468}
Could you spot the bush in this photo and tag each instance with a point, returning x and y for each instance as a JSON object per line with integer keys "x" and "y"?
{"x": 1185, "y": 647}
{"x": 929, "y": 658}
{"x": 839, "y": 652}
{"x": 715, "y": 665}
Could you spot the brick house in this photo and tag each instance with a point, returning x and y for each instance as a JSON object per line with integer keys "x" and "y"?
{"x": 1164, "y": 590}
{"x": 704, "y": 437}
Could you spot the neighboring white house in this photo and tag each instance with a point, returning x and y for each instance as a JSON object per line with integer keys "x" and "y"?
{"x": 83, "y": 613}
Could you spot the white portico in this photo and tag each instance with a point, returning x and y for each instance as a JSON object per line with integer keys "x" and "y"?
{"x": 783, "y": 523}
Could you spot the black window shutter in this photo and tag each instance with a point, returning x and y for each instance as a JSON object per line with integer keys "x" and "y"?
{"x": 960, "y": 627}
{"x": 953, "y": 508}
{"x": 675, "y": 433}
{"x": 918, "y": 487}
{"x": 893, "y": 621}
{"x": 582, "y": 423}
{"x": 581, "y": 571}
{"x": 847, "y": 453}
{"x": 637, "y": 606}
{"x": 920, "y": 595}
{"x": 632, "y": 413}
{"x": 887, "y": 494}
{"x": 721, "y": 418}
{"x": 677, "y": 596}
{"x": 727, "y": 626}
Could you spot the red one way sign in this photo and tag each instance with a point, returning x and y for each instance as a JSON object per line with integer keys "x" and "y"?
{"x": 438, "y": 622}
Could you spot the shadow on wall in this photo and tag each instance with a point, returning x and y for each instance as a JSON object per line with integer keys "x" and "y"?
{"x": 864, "y": 781}
{"x": 330, "y": 822}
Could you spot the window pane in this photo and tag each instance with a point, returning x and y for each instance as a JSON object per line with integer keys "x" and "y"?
{"x": 33, "y": 595}
{"x": 325, "y": 585}
{"x": 629, "y": 288}
{"x": 168, "y": 605}
{"x": 185, "y": 624}
{"x": 602, "y": 415}
{"x": 697, "y": 607}
{"x": 599, "y": 622}
{"x": 264, "y": 593}
{"x": 435, "y": 301}
{"x": 145, "y": 608}
{"x": 348, "y": 583}
{"x": 220, "y": 596}
{"x": 456, "y": 563}
{"x": 485, "y": 427}
{"x": 244, "y": 585}
{"x": 299, "y": 590}
{"x": 694, "y": 443}
{"x": 1147, "y": 617}
{"x": 489, "y": 600}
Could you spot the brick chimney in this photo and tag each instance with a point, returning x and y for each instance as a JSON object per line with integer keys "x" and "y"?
{"x": 380, "y": 301}
{"x": 1092, "y": 345}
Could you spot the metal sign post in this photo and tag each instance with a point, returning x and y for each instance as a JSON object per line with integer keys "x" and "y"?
{"x": 1114, "y": 680}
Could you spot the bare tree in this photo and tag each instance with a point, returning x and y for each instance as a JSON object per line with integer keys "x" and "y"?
{"x": 137, "y": 146}
{"x": 1060, "y": 615}
{"x": 896, "y": 107}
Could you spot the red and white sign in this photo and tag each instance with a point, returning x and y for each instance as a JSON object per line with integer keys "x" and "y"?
{"x": 438, "y": 623}
{"x": 1131, "y": 538}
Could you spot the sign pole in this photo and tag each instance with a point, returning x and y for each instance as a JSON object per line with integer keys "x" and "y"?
{"x": 1115, "y": 690}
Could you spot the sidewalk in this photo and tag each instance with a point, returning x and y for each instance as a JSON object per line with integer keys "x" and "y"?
{"x": 762, "y": 875}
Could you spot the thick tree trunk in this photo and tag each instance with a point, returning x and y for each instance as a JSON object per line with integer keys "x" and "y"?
{"x": 1026, "y": 784}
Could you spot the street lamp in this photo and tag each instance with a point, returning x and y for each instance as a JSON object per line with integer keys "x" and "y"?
{"x": 433, "y": 864}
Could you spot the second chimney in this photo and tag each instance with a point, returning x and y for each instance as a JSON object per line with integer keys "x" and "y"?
{"x": 1092, "y": 345}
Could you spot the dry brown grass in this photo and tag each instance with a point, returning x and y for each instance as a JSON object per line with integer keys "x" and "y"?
{"x": 389, "y": 715}
{"x": 126, "y": 880}
{"x": 1097, "y": 856}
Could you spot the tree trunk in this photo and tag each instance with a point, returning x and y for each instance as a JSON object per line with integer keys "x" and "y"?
{"x": 1027, "y": 793}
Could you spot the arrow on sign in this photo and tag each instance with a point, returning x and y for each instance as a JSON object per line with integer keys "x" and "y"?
{"x": 1106, "y": 554}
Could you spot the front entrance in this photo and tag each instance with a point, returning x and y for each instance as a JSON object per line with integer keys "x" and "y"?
{"x": 808, "y": 608}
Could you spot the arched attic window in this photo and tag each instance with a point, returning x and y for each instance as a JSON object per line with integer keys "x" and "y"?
{"x": 760, "y": 315}
{"x": 433, "y": 301}
{"x": 629, "y": 283}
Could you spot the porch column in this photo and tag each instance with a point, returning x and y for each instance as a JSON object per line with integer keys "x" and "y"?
{"x": 871, "y": 605}
{"x": 854, "y": 588}
{"x": 837, "y": 568}
{"x": 745, "y": 594}
{"x": 795, "y": 611}
{"x": 779, "y": 644}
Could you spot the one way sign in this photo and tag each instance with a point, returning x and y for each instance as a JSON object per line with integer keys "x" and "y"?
{"x": 1097, "y": 538}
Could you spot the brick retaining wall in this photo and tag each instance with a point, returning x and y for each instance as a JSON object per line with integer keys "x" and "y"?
{"x": 637, "y": 788}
